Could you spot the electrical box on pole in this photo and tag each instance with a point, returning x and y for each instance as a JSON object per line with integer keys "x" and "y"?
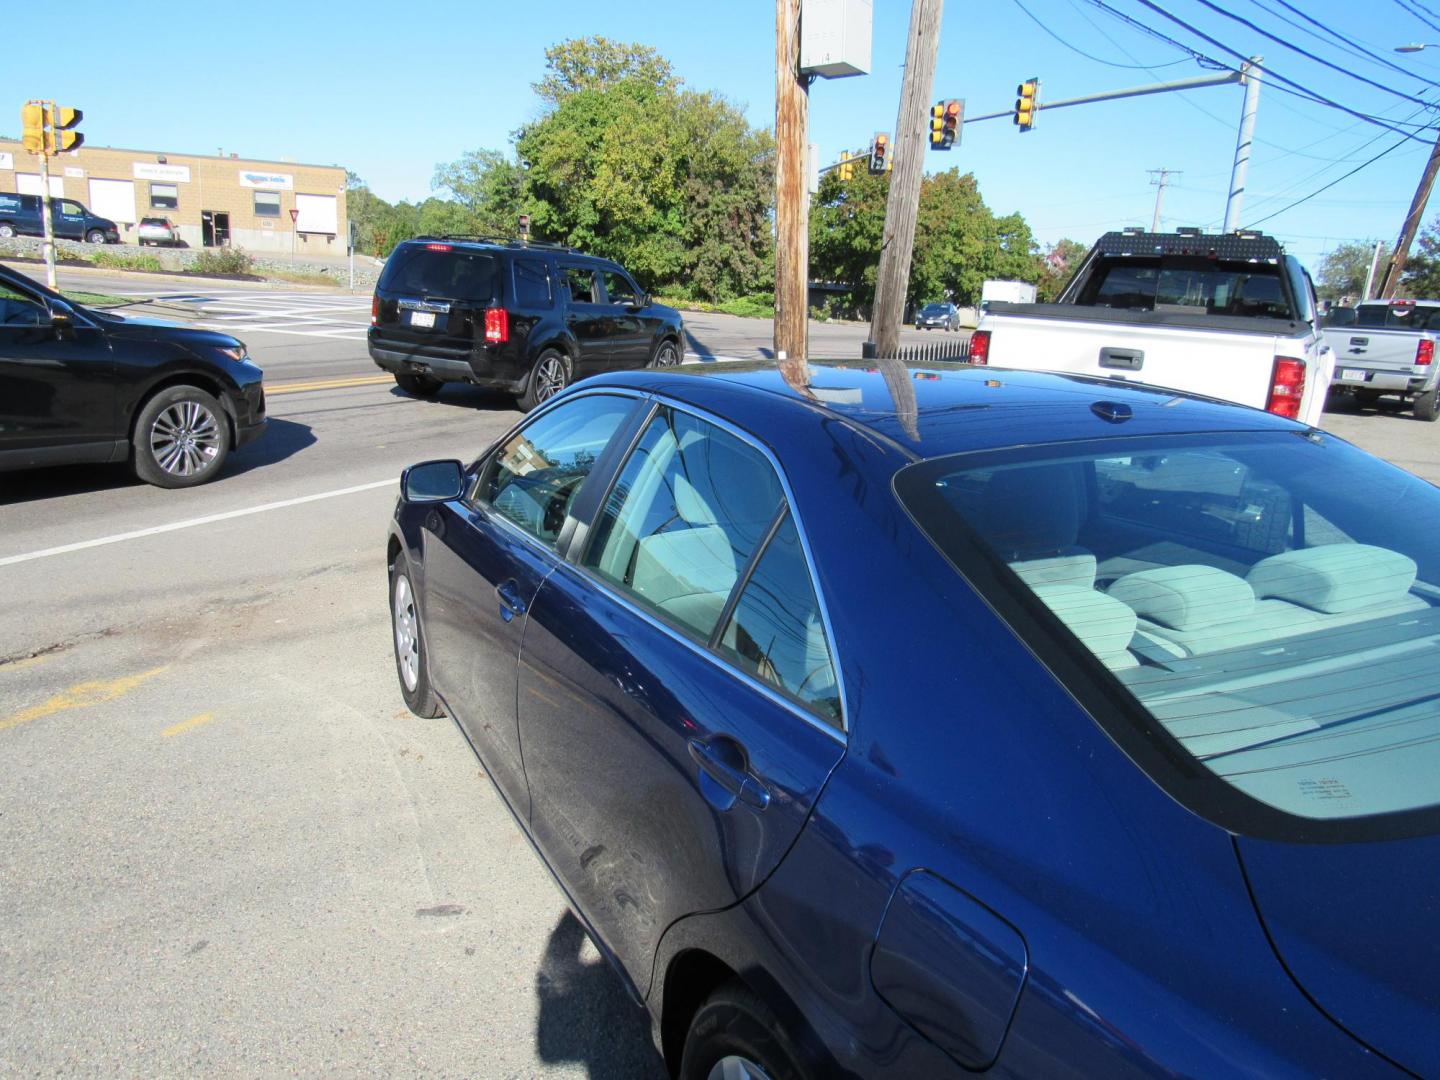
{"x": 835, "y": 38}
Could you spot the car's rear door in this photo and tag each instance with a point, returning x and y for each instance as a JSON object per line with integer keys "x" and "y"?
{"x": 586, "y": 315}
{"x": 431, "y": 298}
{"x": 678, "y": 702}
{"x": 486, "y": 555}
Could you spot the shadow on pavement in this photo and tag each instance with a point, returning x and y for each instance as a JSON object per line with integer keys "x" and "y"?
{"x": 1388, "y": 407}
{"x": 464, "y": 396}
{"x": 585, "y": 1015}
{"x": 282, "y": 439}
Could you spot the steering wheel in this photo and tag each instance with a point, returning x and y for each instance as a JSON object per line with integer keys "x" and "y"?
{"x": 558, "y": 506}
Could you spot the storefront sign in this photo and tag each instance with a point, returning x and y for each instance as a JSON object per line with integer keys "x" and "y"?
{"x": 72, "y": 170}
{"x": 282, "y": 181}
{"x": 174, "y": 174}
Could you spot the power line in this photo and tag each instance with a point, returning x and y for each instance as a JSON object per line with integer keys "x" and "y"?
{"x": 1306, "y": 198}
{"x": 1088, "y": 56}
{"x": 1339, "y": 40}
{"x": 1411, "y": 11}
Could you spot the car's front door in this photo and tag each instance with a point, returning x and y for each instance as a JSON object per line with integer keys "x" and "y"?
{"x": 587, "y": 316}
{"x": 69, "y": 218}
{"x": 484, "y": 558}
{"x": 57, "y": 383}
{"x": 631, "y": 331}
{"x": 678, "y": 704}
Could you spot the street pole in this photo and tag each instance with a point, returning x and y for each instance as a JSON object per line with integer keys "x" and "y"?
{"x": 1162, "y": 177}
{"x": 892, "y": 280}
{"x": 1370, "y": 276}
{"x": 1412, "y": 224}
{"x": 47, "y": 244}
{"x": 1250, "y": 73}
{"x": 792, "y": 144}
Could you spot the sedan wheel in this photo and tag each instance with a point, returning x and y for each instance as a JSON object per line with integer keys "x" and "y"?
{"x": 181, "y": 438}
{"x": 410, "y": 663}
{"x": 737, "y": 1068}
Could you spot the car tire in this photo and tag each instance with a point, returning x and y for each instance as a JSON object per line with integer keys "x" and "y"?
{"x": 181, "y": 438}
{"x": 411, "y": 659}
{"x": 550, "y": 375}
{"x": 421, "y": 386}
{"x": 1426, "y": 406}
{"x": 95, "y": 236}
{"x": 735, "y": 1027}
{"x": 7, "y": 232}
{"x": 666, "y": 355}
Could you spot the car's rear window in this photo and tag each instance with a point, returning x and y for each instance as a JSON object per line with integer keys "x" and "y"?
{"x": 1185, "y": 284}
{"x": 1398, "y": 316}
{"x": 1273, "y": 601}
{"x": 452, "y": 274}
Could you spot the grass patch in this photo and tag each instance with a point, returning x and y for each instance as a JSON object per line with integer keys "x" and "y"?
{"x": 299, "y": 277}
{"x": 115, "y": 260}
{"x": 759, "y": 306}
{"x": 99, "y": 300}
{"x": 221, "y": 261}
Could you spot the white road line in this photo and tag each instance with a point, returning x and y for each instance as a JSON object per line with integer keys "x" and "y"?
{"x": 192, "y": 522}
{"x": 715, "y": 358}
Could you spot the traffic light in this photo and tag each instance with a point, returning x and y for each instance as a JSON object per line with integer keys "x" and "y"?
{"x": 1027, "y": 104}
{"x": 32, "y": 121}
{"x": 880, "y": 153}
{"x": 945, "y": 120}
{"x": 62, "y": 122}
{"x": 846, "y": 170}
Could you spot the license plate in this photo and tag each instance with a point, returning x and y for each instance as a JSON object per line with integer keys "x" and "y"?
{"x": 1351, "y": 374}
{"x": 422, "y": 318}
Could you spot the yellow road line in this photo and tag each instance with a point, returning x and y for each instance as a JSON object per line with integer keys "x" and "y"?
{"x": 187, "y": 725}
{"x": 328, "y": 384}
{"x": 80, "y": 696}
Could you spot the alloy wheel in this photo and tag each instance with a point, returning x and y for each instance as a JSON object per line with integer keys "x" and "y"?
{"x": 407, "y": 632}
{"x": 734, "y": 1067}
{"x": 185, "y": 438}
{"x": 667, "y": 356}
{"x": 550, "y": 378}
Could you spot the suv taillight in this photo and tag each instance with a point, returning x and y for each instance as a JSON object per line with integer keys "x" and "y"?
{"x": 1287, "y": 386}
{"x": 980, "y": 347}
{"x": 374, "y": 310}
{"x": 1424, "y": 352}
{"x": 497, "y": 326}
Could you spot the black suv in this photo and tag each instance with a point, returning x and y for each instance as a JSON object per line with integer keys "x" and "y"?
{"x": 78, "y": 386}
{"x": 526, "y": 318}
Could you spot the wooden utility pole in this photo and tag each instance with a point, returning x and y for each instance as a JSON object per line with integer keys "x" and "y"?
{"x": 893, "y": 278}
{"x": 792, "y": 143}
{"x": 1412, "y": 225}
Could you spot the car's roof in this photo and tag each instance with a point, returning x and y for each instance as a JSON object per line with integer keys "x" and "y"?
{"x": 513, "y": 247}
{"x": 931, "y": 410}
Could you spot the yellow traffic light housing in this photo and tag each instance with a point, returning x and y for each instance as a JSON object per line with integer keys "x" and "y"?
{"x": 937, "y": 126}
{"x": 880, "y": 153}
{"x": 32, "y": 123}
{"x": 62, "y": 122}
{"x": 1027, "y": 104}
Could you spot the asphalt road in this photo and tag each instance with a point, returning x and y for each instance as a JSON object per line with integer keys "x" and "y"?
{"x": 227, "y": 847}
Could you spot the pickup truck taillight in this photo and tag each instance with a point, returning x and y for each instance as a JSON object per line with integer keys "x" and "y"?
{"x": 497, "y": 326}
{"x": 980, "y": 347}
{"x": 1424, "y": 352}
{"x": 374, "y": 310}
{"x": 1287, "y": 385}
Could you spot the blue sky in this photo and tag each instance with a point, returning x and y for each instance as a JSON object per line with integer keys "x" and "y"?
{"x": 390, "y": 90}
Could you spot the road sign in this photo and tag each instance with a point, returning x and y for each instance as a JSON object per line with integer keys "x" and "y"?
{"x": 294, "y": 216}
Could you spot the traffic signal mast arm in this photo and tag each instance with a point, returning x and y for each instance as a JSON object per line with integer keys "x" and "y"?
{"x": 1111, "y": 95}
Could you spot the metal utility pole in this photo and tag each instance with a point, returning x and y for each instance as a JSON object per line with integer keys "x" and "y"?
{"x": 1412, "y": 225}
{"x": 1159, "y": 178}
{"x": 903, "y": 204}
{"x": 1374, "y": 264}
{"x": 792, "y": 144}
{"x": 47, "y": 244}
{"x": 1250, "y": 73}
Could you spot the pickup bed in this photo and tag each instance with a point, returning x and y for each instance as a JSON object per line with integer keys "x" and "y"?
{"x": 1229, "y": 317}
{"x": 1388, "y": 347}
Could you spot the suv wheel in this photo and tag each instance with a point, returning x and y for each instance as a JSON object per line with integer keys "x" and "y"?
{"x": 181, "y": 438}
{"x": 550, "y": 375}
{"x": 7, "y": 231}
{"x": 422, "y": 386}
{"x": 94, "y": 236}
{"x": 666, "y": 355}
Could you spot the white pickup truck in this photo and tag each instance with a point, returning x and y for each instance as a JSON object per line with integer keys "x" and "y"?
{"x": 1388, "y": 347}
{"x": 1228, "y": 316}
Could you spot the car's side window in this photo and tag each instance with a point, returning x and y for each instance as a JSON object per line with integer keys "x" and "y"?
{"x": 71, "y": 208}
{"x": 581, "y": 282}
{"x": 532, "y": 284}
{"x": 533, "y": 478}
{"x": 18, "y": 309}
{"x": 777, "y": 634}
{"x": 618, "y": 289}
{"x": 686, "y": 513}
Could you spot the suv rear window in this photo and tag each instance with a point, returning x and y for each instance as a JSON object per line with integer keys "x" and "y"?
{"x": 1271, "y": 602}
{"x": 1186, "y": 284}
{"x": 416, "y": 270}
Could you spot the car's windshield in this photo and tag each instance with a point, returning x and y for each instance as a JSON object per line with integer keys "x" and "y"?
{"x": 934, "y": 309}
{"x": 1189, "y": 284}
{"x": 1273, "y": 601}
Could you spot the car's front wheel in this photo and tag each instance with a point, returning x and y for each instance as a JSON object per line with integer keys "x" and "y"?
{"x": 548, "y": 377}
{"x": 95, "y": 236}
{"x": 410, "y": 658}
{"x": 7, "y": 231}
{"x": 736, "y": 1036}
{"x": 181, "y": 439}
{"x": 422, "y": 386}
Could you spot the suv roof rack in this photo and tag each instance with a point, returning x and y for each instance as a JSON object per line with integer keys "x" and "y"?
{"x": 1241, "y": 245}
{"x": 502, "y": 241}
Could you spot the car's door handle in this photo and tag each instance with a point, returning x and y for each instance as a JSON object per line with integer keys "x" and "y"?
{"x": 721, "y": 762}
{"x": 510, "y": 602}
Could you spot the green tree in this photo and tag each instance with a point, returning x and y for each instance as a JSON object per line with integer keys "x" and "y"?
{"x": 1422, "y": 269}
{"x": 1061, "y": 260}
{"x": 1343, "y": 271}
{"x": 597, "y": 63}
{"x": 487, "y": 192}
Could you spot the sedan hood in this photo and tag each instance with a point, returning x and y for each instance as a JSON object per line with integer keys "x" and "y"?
{"x": 139, "y": 329}
{"x": 1358, "y": 927}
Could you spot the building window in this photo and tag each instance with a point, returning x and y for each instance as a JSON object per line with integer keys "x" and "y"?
{"x": 267, "y": 204}
{"x": 164, "y": 197}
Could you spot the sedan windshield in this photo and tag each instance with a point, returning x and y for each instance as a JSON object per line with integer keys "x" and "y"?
{"x": 1273, "y": 601}
{"x": 934, "y": 309}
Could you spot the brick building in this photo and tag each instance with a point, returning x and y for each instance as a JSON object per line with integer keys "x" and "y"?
{"x": 215, "y": 201}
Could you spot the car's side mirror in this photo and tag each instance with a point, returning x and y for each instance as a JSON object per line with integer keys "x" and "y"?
{"x": 638, "y": 302}
{"x": 432, "y": 481}
{"x": 62, "y": 322}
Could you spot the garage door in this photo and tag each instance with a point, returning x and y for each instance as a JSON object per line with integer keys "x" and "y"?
{"x": 29, "y": 184}
{"x": 113, "y": 199}
{"x": 317, "y": 214}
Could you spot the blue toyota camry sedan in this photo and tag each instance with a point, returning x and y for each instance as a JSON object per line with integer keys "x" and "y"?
{"x": 892, "y": 722}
